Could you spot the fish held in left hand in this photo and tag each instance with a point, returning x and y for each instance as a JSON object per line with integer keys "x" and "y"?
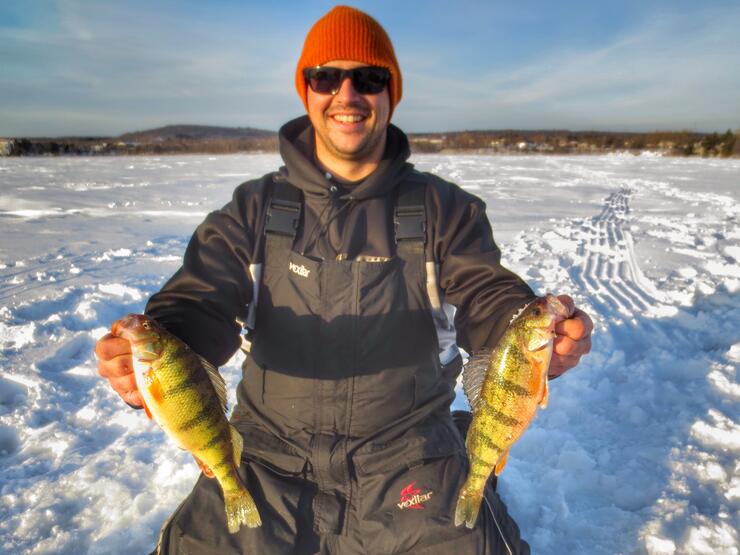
{"x": 504, "y": 388}
{"x": 186, "y": 396}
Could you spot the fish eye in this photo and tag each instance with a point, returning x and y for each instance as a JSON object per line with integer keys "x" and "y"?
{"x": 145, "y": 325}
{"x": 536, "y": 311}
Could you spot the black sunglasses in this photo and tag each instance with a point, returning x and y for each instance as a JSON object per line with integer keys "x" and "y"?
{"x": 365, "y": 80}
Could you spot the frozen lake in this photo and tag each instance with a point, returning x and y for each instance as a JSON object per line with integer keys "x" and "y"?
{"x": 637, "y": 451}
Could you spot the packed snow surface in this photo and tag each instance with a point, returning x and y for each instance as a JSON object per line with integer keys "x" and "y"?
{"x": 637, "y": 451}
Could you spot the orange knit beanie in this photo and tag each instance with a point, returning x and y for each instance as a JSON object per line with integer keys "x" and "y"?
{"x": 345, "y": 33}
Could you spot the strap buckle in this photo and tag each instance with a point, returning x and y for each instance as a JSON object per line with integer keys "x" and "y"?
{"x": 282, "y": 217}
{"x": 410, "y": 223}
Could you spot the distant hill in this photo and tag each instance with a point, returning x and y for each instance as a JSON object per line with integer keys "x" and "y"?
{"x": 195, "y": 132}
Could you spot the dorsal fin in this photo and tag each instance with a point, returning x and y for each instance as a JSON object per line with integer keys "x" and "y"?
{"x": 521, "y": 310}
{"x": 473, "y": 375}
{"x": 218, "y": 382}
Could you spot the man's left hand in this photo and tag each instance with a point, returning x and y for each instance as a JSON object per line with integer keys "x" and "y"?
{"x": 573, "y": 339}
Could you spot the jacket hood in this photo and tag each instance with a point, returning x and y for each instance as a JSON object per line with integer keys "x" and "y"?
{"x": 297, "y": 150}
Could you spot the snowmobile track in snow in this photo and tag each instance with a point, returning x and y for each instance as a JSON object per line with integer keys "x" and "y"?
{"x": 609, "y": 270}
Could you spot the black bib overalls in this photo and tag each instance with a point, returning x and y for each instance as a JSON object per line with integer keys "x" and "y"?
{"x": 349, "y": 446}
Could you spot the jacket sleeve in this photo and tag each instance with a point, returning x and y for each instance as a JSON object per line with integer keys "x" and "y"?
{"x": 202, "y": 301}
{"x": 485, "y": 293}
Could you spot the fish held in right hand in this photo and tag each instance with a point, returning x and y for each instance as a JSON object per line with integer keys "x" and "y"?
{"x": 186, "y": 396}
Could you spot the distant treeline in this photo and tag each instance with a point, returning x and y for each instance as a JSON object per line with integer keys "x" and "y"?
{"x": 675, "y": 143}
{"x": 172, "y": 139}
{"x": 103, "y": 146}
{"x": 184, "y": 139}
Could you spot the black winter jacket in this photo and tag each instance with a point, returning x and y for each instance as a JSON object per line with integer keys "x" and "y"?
{"x": 203, "y": 302}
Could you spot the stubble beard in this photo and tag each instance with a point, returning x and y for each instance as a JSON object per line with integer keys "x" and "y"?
{"x": 363, "y": 151}
{"x": 360, "y": 152}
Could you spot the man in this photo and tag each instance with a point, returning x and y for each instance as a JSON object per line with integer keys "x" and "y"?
{"x": 344, "y": 265}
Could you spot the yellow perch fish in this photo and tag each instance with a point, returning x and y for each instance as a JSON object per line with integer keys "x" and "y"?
{"x": 186, "y": 396}
{"x": 505, "y": 388}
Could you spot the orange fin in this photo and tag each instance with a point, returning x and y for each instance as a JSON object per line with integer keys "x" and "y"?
{"x": 146, "y": 409}
{"x": 207, "y": 472}
{"x": 545, "y": 393}
{"x": 154, "y": 387}
{"x": 501, "y": 462}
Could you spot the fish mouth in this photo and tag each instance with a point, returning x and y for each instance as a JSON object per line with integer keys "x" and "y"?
{"x": 141, "y": 332}
{"x": 557, "y": 308}
{"x": 126, "y": 324}
{"x": 555, "y": 312}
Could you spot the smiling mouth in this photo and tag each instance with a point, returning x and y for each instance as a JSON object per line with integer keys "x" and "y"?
{"x": 348, "y": 118}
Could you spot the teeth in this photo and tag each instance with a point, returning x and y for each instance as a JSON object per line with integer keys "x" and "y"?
{"x": 348, "y": 118}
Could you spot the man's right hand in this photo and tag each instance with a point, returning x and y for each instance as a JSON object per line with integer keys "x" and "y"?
{"x": 115, "y": 365}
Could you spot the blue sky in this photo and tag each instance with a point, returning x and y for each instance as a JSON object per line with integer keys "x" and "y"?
{"x": 95, "y": 67}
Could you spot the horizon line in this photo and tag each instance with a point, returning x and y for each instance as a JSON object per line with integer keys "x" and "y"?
{"x": 735, "y": 131}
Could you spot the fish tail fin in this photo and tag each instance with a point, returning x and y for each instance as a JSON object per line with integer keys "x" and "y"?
{"x": 239, "y": 505}
{"x": 468, "y": 505}
{"x": 240, "y": 509}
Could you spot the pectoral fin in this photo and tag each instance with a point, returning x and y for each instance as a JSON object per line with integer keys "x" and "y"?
{"x": 501, "y": 463}
{"x": 545, "y": 393}
{"x": 146, "y": 408}
{"x": 207, "y": 472}
{"x": 153, "y": 388}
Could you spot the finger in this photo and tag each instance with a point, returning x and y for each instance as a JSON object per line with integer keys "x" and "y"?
{"x": 564, "y": 361}
{"x": 127, "y": 389}
{"x": 123, "y": 384}
{"x": 565, "y": 346}
{"x": 133, "y": 398}
{"x": 109, "y": 347}
{"x": 573, "y": 328}
{"x": 561, "y": 365}
{"x": 119, "y": 366}
{"x": 570, "y": 305}
{"x": 556, "y": 372}
{"x": 578, "y": 326}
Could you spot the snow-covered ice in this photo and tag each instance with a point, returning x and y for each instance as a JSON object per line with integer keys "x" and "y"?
{"x": 637, "y": 451}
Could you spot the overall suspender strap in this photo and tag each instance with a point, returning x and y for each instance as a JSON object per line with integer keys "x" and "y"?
{"x": 284, "y": 208}
{"x": 283, "y": 216}
{"x": 410, "y": 225}
{"x": 285, "y": 205}
{"x": 409, "y": 221}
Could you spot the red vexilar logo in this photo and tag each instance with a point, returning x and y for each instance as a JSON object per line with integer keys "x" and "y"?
{"x": 412, "y": 498}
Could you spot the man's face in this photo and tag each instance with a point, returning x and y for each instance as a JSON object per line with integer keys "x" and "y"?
{"x": 349, "y": 126}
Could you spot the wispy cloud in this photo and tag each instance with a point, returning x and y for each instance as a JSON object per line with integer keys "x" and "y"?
{"x": 128, "y": 68}
{"x": 87, "y": 67}
{"x": 674, "y": 72}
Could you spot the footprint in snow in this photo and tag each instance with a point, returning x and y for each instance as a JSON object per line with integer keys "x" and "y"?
{"x": 9, "y": 442}
{"x": 74, "y": 352}
{"x": 12, "y": 394}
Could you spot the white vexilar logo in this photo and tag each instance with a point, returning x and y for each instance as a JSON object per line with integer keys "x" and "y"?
{"x": 300, "y": 270}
